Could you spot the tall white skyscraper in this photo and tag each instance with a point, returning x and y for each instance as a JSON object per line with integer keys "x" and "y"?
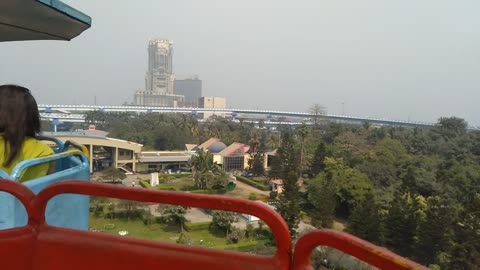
{"x": 159, "y": 78}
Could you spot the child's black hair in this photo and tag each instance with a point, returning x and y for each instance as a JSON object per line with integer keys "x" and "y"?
{"x": 19, "y": 117}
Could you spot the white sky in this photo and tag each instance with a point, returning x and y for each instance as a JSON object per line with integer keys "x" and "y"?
{"x": 392, "y": 59}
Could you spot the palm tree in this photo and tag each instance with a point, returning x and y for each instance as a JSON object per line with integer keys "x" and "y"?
{"x": 203, "y": 168}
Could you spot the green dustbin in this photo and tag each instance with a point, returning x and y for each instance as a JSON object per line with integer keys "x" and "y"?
{"x": 230, "y": 186}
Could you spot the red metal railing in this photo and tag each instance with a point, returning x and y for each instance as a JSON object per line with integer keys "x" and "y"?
{"x": 40, "y": 246}
{"x": 361, "y": 249}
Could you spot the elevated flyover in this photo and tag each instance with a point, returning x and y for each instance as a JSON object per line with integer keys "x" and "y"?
{"x": 76, "y": 114}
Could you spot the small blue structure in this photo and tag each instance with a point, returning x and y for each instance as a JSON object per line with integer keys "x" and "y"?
{"x": 66, "y": 210}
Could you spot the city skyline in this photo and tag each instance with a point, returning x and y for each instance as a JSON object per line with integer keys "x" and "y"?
{"x": 404, "y": 60}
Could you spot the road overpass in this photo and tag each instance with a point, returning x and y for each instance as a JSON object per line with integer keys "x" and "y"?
{"x": 75, "y": 113}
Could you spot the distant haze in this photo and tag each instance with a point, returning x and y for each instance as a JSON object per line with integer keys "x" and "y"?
{"x": 391, "y": 59}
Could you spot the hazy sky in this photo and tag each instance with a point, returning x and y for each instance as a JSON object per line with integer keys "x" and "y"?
{"x": 392, "y": 59}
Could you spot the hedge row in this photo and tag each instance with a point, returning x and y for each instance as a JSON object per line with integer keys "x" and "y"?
{"x": 169, "y": 188}
{"x": 145, "y": 183}
{"x": 201, "y": 191}
{"x": 175, "y": 175}
{"x": 252, "y": 183}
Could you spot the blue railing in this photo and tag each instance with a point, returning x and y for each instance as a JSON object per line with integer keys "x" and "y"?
{"x": 66, "y": 210}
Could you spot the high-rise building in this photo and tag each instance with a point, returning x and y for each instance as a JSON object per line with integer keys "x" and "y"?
{"x": 159, "y": 78}
{"x": 191, "y": 88}
{"x": 212, "y": 103}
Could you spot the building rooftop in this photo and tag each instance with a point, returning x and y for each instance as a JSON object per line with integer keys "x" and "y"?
{"x": 164, "y": 156}
{"x": 207, "y": 144}
{"x": 234, "y": 149}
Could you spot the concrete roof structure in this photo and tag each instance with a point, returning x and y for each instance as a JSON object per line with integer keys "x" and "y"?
{"x": 190, "y": 147}
{"x": 92, "y": 138}
{"x": 40, "y": 20}
{"x": 207, "y": 144}
{"x": 95, "y": 138}
{"x": 164, "y": 156}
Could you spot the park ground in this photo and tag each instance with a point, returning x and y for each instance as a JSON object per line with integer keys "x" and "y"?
{"x": 197, "y": 219}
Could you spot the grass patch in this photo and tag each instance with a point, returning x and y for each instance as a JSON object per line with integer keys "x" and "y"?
{"x": 173, "y": 184}
{"x": 169, "y": 234}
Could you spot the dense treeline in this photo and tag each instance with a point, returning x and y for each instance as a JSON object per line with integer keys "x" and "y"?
{"x": 173, "y": 131}
{"x": 415, "y": 191}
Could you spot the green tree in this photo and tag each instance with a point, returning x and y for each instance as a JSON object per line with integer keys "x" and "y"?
{"x": 351, "y": 184}
{"x": 435, "y": 233}
{"x": 223, "y": 220}
{"x": 204, "y": 170}
{"x": 460, "y": 181}
{"x": 451, "y": 127}
{"x": 114, "y": 174}
{"x": 95, "y": 117}
{"x": 321, "y": 194}
{"x": 256, "y": 161}
{"x": 302, "y": 133}
{"x": 129, "y": 208}
{"x": 111, "y": 210}
{"x": 390, "y": 151}
{"x": 419, "y": 175}
{"x": 366, "y": 220}
{"x": 402, "y": 221}
{"x": 318, "y": 163}
{"x": 175, "y": 214}
{"x": 285, "y": 167}
{"x": 353, "y": 147}
{"x": 218, "y": 180}
{"x": 466, "y": 250}
{"x": 316, "y": 111}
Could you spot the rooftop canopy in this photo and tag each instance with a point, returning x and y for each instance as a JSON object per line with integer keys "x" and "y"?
{"x": 40, "y": 20}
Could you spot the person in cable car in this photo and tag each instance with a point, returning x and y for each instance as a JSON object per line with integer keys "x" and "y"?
{"x": 19, "y": 127}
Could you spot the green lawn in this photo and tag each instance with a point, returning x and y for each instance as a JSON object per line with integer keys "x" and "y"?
{"x": 177, "y": 183}
{"x": 166, "y": 233}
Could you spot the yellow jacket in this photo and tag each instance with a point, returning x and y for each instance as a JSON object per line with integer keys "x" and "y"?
{"x": 31, "y": 148}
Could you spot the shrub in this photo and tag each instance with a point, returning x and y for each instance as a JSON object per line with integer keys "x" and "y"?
{"x": 252, "y": 183}
{"x": 197, "y": 226}
{"x": 302, "y": 214}
{"x": 219, "y": 190}
{"x": 145, "y": 216}
{"x": 187, "y": 188}
{"x": 273, "y": 195}
{"x": 168, "y": 188}
{"x": 249, "y": 232}
{"x": 184, "y": 239}
{"x": 252, "y": 196}
{"x": 161, "y": 181}
{"x": 145, "y": 183}
{"x": 199, "y": 191}
{"x": 176, "y": 175}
